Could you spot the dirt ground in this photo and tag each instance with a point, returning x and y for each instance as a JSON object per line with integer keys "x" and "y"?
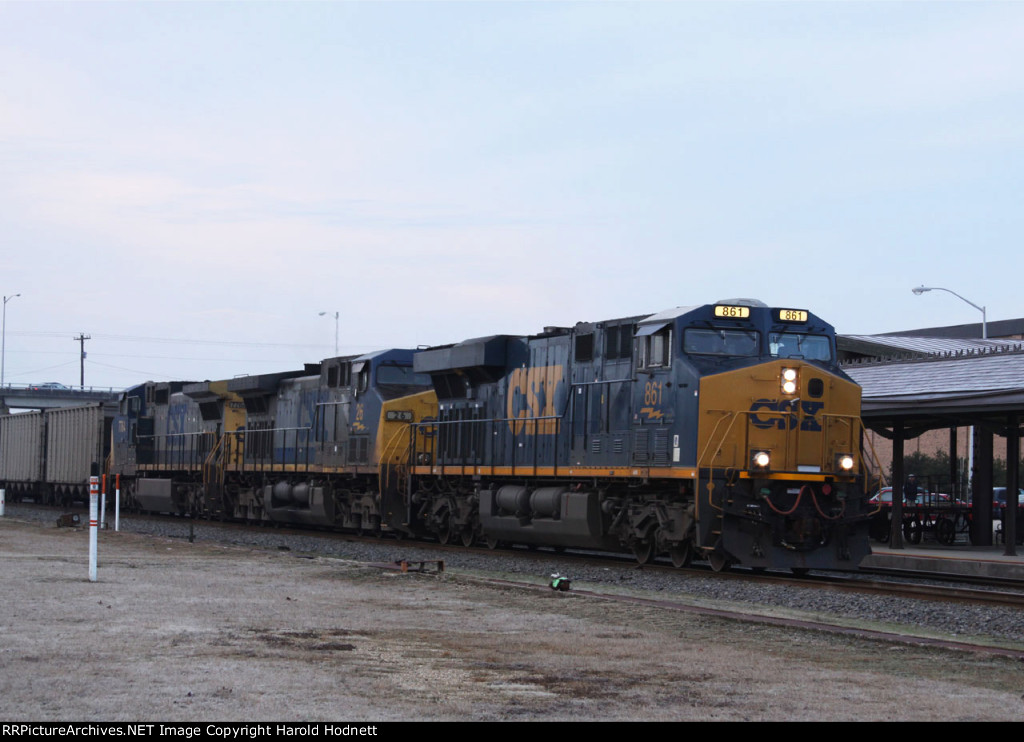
{"x": 174, "y": 631}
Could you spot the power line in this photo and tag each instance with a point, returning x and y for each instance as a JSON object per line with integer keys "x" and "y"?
{"x": 185, "y": 341}
{"x": 93, "y": 355}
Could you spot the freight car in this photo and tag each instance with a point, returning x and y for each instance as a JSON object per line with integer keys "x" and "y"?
{"x": 726, "y": 431}
{"x": 48, "y": 456}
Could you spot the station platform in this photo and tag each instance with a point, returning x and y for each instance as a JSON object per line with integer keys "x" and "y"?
{"x": 962, "y": 560}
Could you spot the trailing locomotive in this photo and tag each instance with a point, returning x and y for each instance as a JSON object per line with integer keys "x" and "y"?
{"x": 302, "y": 447}
{"x": 726, "y": 431}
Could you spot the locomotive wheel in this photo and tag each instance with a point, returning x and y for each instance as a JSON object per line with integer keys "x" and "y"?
{"x": 444, "y": 530}
{"x": 719, "y": 562}
{"x": 491, "y": 542}
{"x": 644, "y": 551}
{"x": 945, "y": 531}
{"x": 468, "y": 537}
{"x": 681, "y": 554}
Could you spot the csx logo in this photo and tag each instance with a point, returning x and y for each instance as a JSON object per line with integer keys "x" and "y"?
{"x": 531, "y": 394}
{"x": 785, "y": 417}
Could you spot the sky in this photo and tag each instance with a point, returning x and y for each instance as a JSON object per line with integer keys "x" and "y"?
{"x": 190, "y": 184}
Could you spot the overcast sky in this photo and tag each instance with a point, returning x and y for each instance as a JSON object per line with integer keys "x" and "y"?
{"x": 192, "y": 183}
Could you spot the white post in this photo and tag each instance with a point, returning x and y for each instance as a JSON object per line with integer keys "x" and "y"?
{"x": 94, "y": 487}
{"x": 103, "y": 504}
{"x": 3, "y": 497}
{"x": 117, "y": 502}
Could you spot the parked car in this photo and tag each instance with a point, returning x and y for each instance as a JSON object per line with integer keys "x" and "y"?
{"x": 932, "y": 499}
{"x": 999, "y": 497}
{"x": 999, "y": 514}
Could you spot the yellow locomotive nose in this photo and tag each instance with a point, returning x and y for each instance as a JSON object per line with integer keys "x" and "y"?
{"x": 778, "y": 465}
{"x": 787, "y": 415}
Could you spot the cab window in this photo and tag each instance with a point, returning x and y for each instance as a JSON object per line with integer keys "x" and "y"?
{"x": 799, "y": 345}
{"x": 718, "y": 342}
{"x": 656, "y": 349}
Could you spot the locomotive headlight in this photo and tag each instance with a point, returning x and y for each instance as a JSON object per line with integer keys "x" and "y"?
{"x": 845, "y": 462}
{"x": 760, "y": 460}
{"x": 789, "y": 381}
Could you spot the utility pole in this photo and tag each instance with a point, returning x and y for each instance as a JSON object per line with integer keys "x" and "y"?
{"x": 3, "y": 341}
{"x": 336, "y": 316}
{"x": 82, "y": 337}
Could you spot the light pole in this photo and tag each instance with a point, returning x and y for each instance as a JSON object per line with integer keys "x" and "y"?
{"x": 3, "y": 338}
{"x": 336, "y": 315}
{"x": 984, "y": 325}
{"x": 984, "y": 336}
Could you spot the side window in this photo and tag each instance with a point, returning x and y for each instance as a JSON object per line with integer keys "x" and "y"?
{"x": 585, "y": 348}
{"x": 656, "y": 350}
{"x": 618, "y": 342}
{"x": 339, "y": 375}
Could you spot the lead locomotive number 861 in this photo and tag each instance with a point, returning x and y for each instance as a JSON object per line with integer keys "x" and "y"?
{"x": 725, "y": 431}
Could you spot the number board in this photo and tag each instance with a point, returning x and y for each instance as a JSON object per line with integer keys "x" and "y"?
{"x": 791, "y": 315}
{"x": 723, "y": 310}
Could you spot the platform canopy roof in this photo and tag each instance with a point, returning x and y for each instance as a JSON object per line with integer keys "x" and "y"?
{"x": 876, "y": 346}
{"x": 964, "y": 386}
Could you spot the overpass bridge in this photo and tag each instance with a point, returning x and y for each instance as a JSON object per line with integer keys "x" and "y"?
{"x": 47, "y": 396}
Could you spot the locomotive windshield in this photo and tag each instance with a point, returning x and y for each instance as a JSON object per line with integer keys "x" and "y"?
{"x": 697, "y": 341}
{"x": 798, "y": 345}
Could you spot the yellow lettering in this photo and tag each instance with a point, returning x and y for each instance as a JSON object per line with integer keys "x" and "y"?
{"x": 531, "y": 395}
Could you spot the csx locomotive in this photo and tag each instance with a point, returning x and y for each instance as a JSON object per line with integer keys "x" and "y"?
{"x": 724, "y": 432}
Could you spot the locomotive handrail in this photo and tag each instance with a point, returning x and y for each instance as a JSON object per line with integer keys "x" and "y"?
{"x": 518, "y": 425}
{"x": 382, "y": 470}
{"x": 268, "y": 460}
{"x": 213, "y": 469}
{"x": 213, "y": 451}
{"x": 186, "y": 458}
{"x": 601, "y": 381}
{"x": 731, "y": 416}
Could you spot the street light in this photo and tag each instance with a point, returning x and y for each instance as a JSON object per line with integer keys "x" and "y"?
{"x": 324, "y": 314}
{"x": 3, "y": 338}
{"x": 984, "y": 325}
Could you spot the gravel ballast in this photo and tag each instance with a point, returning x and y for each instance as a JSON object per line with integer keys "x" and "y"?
{"x": 271, "y": 625}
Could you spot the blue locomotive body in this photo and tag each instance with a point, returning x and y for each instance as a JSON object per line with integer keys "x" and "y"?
{"x": 638, "y": 433}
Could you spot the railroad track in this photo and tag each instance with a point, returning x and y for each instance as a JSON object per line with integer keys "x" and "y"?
{"x": 752, "y": 616}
